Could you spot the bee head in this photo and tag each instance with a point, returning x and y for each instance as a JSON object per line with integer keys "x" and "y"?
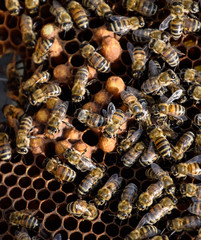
{"x": 32, "y": 101}
{"x": 76, "y": 98}
{"x": 141, "y": 21}
{"x": 191, "y": 89}
{"x": 83, "y": 44}
{"x": 140, "y": 206}
{"x": 23, "y": 150}
{"x": 67, "y": 152}
{"x": 183, "y": 188}
{"x": 194, "y": 7}
{"x": 171, "y": 189}
{"x": 165, "y": 36}
{"x": 99, "y": 201}
{"x": 15, "y": 11}
{"x": 152, "y": 43}
{"x": 51, "y": 130}
{"x": 123, "y": 215}
{"x": 174, "y": 170}
{"x": 173, "y": 199}
{"x": 119, "y": 149}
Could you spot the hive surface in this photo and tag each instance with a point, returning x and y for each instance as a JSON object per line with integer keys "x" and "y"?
{"x": 24, "y": 182}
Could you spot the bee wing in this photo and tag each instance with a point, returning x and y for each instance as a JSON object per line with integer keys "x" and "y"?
{"x": 195, "y": 208}
{"x": 143, "y": 220}
{"x": 176, "y": 95}
{"x": 116, "y": 18}
{"x": 56, "y": 4}
{"x": 151, "y": 148}
{"x": 58, "y": 236}
{"x": 157, "y": 170}
{"x": 111, "y": 109}
{"x": 153, "y": 70}
{"x": 196, "y": 159}
{"x": 136, "y": 135}
{"x": 196, "y": 199}
{"x": 165, "y": 23}
{"x": 130, "y": 48}
{"x": 87, "y": 164}
{"x": 114, "y": 178}
{"x": 134, "y": 91}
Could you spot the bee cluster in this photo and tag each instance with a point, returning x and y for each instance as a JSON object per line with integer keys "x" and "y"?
{"x": 104, "y": 141}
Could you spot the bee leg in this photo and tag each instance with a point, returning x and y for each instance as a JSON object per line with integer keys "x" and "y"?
{"x": 68, "y": 124}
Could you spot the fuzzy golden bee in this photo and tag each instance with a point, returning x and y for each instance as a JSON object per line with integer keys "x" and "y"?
{"x": 95, "y": 59}
{"x": 133, "y": 154}
{"x": 13, "y": 112}
{"x": 61, "y": 172}
{"x": 76, "y": 159}
{"x": 194, "y": 92}
{"x": 132, "y": 137}
{"x": 191, "y": 75}
{"x": 91, "y": 180}
{"x": 32, "y": 6}
{"x": 128, "y": 197}
{"x": 191, "y": 190}
{"x": 183, "y": 144}
{"x": 57, "y": 116}
{"x": 144, "y": 232}
{"x": 23, "y": 135}
{"x": 42, "y": 50}
{"x": 62, "y": 16}
{"x": 108, "y": 190}
{"x": 13, "y": 6}
{"x": 41, "y": 95}
{"x": 122, "y": 25}
{"x": 80, "y": 208}
{"x": 159, "y": 210}
{"x": 5, "y": 148}
{"x": 78, "y": 14}
{"x": 190, "y": 168}
{"x": 149, "y": 156}
{"x": 166, "y": 51}
{"x": 23, "y": 219}
{"x": 28, "y": 35}
{"x": 144, "y": 7}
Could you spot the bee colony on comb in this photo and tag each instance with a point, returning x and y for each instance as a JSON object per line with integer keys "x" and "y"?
{"x": 103, "y": 141}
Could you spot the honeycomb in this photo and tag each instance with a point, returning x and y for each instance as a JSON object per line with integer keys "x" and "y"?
{"x": 25, "y": 185}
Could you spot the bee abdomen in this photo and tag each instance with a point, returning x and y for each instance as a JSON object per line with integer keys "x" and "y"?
{"x": 5, "y": 152}
{"x": 163, "y": 147}
{"x": 99, "y": 62}
{"x": 80, "y": 18}
{"x": 171, "y": 57}
{"x": 176, "y": 26}
{"x": 147, "y": 8}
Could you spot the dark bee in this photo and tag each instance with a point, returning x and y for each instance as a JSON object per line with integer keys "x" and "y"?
{"x": 62, "y": 16}
{"x": 32, "y": 6}
{"x": 42, "y": 50}
{"x": 24, "y": 220}
{"x": 57, "y": 116}
{"x": 183, "y": 144}
{"x": 81, "y": 208}
{"x": 91, "y": 180}
{"x": 190, "y": 168}
{"x": 142, "y": 233}
{"x": 61, "y": 172}
{"x": 23, "y": 135}
{"x": 78, "y": 14}
{"x": 94, "y": 59}
{"x": 122, "y": 25}
{"x": 128, "y": 197}
{"x": 105, "y": 193}
{"x": 149, "y": 156}
{"x": 5, "y": 148}
{"x": 28, "y": 36}
{"x": 13, "y": 6}
{"x": 144, "y": 7}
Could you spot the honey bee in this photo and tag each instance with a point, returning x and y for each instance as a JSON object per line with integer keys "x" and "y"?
{"x": 164, "y": 177}
{"x": 13, "y": 6}
{"x": 101, "y": 8}
{"x": 144, "y": 232}
{"x": 10, "y": 111}
{"x": 5, "y": 148}
{"x": 41, "y": 50}
{"x": 158, "y": 211}
{"x": 28, "y": 36}
{"x": 76, "y": 159}
{"x": 146, "y": 198}
{"x": 161, "y": 143}
{"x": 128, "y": 197}
{"x": 164, "y": 237}
{"x": 91, "y": 180}
{"x": 22, "y": 235}
{"x": 61, "y": 172}
{"x": 80, "y": 208}
{"x": 133, "y": 154}
{"x": 95, "y": 59}
{"x": 36, "y": 78}
{"x": 156, "y": 84}
{"x": 186, "y": 223}
{"x": 139, "y": 58}
{"x": 57, "y": 116}
{"x": 132, "y": 137}
{"x": 168, "y": 108}
{"x": 122, "y": 25}
{"x": 62, "y": 16}
{"x": 116, "y": 118}
{"x": 167, "y": 52}
{"x": 191, "y": 25}
{"x": 80, "y": 83}
{"x": 191, "y": 190}
{"x": 144, "y": 7}
{"x": 146, "y": 34}
{"x": 92, "y": 120}
{"x": 42, "y": 94}
{"x": 23, "y": 135}
{"x": 194, "y": 92}
{"x": 195, "y": 207}
{"x": 149, "y": 156}
{"x": 183, "y": 144}
{"x": 191, "y": 75}
{"x": 110, "y": 188}
{"x": 173, "y": 87}
{"x": 190, "y": 168}
{"x": 32, "y": 6}
{"x": 78, "y": 14}
{"x": 24, "y": 220}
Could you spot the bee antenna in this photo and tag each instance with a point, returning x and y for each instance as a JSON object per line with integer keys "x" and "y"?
{"x": 27, "y": 108}
{"x": 172, "y": 233}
